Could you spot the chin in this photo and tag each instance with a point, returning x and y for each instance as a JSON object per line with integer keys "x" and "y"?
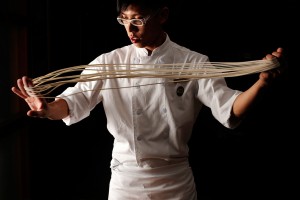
{"x": 138, "y": 45}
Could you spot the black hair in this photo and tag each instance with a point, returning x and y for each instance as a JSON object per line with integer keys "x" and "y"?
{"x": 151, "y": 5}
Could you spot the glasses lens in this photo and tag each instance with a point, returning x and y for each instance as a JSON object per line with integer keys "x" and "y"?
{"x": 137, "y": 22}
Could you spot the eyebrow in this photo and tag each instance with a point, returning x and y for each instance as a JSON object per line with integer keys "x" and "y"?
{"x": 136, "y": 14}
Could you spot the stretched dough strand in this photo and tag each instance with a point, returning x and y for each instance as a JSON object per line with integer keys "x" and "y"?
{"x": 175, "y": 72}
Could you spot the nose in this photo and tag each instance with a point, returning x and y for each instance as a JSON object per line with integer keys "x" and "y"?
{"x": 132, "y": 28}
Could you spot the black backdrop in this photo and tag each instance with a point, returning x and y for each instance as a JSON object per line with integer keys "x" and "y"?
{"x": 73, "y": 162}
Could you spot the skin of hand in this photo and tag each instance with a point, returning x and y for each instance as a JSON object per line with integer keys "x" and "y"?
{"x": 267, "y": 77}
{"x": 248, "y": 98}
{"x": 39, "y": 107}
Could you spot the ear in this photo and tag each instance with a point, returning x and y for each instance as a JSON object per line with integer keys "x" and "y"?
{"x": 164, "y": 15}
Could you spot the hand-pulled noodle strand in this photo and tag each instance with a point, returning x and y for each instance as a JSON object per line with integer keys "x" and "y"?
{"x": 175, "y": 72}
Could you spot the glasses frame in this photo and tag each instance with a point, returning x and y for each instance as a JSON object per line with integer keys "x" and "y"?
{"x": 131, "y": 21}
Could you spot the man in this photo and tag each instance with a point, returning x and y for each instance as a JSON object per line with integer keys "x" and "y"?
{"x": 151, "y": 123}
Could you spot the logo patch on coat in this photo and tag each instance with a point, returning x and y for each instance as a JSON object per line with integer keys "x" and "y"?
{"x": 180, "y": 91}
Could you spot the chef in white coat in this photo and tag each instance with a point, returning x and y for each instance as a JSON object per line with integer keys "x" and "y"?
{"x": 151, "y": 119}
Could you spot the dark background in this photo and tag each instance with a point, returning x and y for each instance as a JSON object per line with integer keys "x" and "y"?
{"x": 42, "y": 159}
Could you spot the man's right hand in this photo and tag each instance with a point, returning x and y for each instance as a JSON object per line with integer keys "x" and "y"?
{"x": 38, "y": 105}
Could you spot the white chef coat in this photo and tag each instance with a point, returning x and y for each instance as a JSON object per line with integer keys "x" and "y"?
{"x": 151, "y": 120}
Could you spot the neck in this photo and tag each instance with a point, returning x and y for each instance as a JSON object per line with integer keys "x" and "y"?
{"x": 156, "y": 43}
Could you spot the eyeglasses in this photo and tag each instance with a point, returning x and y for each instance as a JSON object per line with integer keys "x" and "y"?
{"x": 135, "y": 22}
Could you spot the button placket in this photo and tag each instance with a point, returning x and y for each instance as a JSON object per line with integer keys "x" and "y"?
{"x": 136, "y": 109}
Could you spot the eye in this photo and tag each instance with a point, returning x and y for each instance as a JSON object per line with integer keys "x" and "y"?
{"x": 137, "y": 22}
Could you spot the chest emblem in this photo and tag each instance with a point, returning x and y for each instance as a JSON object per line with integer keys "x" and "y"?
{"x": 180, "y": 91}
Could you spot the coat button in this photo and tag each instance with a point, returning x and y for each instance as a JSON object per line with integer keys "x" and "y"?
{"x": 180, "y": 91}
{"x": 139, "y": 111}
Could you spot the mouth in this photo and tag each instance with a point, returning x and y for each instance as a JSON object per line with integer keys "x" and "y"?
{"x": 135, "y": 39}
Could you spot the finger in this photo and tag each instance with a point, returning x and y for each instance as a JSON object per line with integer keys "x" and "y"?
{"x": 28, "y": 84}
{"x": 277, "y": 54}
{"x": 279, "y": 50}
{"x": 20, "y": 83}
{"x": 269, "y": 57}
{"x": 18, "y": 92}
{"x": 40, "y": 114}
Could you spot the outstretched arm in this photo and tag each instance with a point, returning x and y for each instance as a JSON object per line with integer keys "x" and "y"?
{"x": 39, "y": 107}
{"x": 246, "y": 99}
